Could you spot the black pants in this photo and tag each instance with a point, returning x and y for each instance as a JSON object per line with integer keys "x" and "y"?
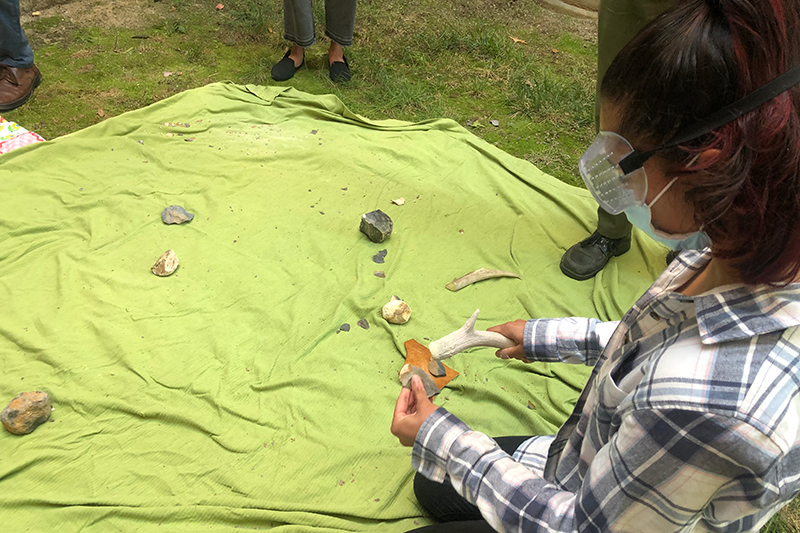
{"x": 447, "y": 506}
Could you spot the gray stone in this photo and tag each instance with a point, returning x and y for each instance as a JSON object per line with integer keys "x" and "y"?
{"x": 437, "y": 368}
{"x": 431, "y": 389}
{"x": 376, "y": 225}
{"x": 363, "y": 323}
{"x": 175, "y": 214}
{"x": 344, "y": 327}
{"x": 380, "y": 273}
{"x": 380, "y": 256}
{"x": 26, "y": 412}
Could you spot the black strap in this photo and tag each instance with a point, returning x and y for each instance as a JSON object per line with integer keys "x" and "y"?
{"x": 727, "y": 114}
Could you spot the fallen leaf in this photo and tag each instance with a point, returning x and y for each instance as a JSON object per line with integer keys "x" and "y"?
{"x": 399, "y": 201}
{"x": 169, "y": 135}
{"x": 100, "y": 113}
{"x": 555, "y": 51}
{"x": 529, "y": 83}
{"x": 220, "y": 6}
{"x": 167, "y": 74}
{"x": 518, "y": 40}
{"x": 270, "y": 30}
{"x": 36, "y": 13}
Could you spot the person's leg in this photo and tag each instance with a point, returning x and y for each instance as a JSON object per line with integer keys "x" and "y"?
{"x": 446, "y": 505}
{"x": 15, "y": 51}
{"x": 18, "y": 75}
{"x": 618, "y": 22}
{"x": 340, "y": 22}
{"x": 298, "y": 28}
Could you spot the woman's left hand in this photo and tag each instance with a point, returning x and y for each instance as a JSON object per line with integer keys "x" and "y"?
{"x": 412, "y": 408}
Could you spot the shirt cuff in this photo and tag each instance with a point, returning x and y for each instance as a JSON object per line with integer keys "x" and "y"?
{"x": 432, "y": 446}
{"x": 540, "y": 340}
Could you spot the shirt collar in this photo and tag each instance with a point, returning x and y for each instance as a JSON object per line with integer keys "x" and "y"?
{"x": 734, "y": 312}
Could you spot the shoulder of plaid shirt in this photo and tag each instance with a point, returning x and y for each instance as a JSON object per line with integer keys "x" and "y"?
{"x": 689, "y": 422}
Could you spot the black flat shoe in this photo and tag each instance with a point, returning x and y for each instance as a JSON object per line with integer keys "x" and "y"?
{"x": 284, "y": 69}
{"x": 585, "y": 259}
{"x": 340, "y": 70}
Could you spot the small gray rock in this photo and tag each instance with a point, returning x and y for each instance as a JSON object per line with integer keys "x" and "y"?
{"x": 376, "y": 225}
{"x": 380, "y": 274}
{"x": 379, "y": 257}
{"x": 363, "y": 323}
{"x": 431, "y": 388}
{"x": 437, "y": 368}
{"x": 344, "y": 327}
{"x": 26, "y": 412}
{"x": 175, "y": 214}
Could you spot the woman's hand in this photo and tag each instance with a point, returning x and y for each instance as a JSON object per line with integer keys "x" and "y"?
{"x": 412, "y": 408}
{"x": 516, "y": 332}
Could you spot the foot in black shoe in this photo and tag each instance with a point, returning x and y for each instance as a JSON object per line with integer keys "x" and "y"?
{"x": 284, "y": 69}
{"x": 340, "y": 70}
{"x": 585, "y": 259}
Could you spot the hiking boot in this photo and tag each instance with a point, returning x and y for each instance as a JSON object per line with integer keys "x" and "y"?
{"x": 585, "y": 259}
{"x": 17, "y": 85}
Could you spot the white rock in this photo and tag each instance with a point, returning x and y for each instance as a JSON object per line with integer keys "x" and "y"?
{"x": 166, "y": 264}
{"x": 396, "y": 311}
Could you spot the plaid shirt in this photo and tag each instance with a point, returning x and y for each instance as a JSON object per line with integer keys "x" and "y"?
{"x": 690, "y": 420}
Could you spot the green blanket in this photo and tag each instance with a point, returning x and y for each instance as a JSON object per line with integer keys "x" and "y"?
{"x": 225, "y": 396}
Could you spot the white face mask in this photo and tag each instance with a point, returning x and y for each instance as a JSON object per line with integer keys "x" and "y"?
{"x": 641, "y": 217}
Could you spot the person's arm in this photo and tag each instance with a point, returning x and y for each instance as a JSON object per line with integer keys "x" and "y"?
{"x": 559, "y": 340}
{"x": 658, "y": 473}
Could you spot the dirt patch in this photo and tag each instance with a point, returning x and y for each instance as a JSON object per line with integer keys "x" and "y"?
{"x": 131, "y": 14}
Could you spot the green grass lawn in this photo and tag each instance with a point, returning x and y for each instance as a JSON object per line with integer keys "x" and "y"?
{"x": 470, "y": 60}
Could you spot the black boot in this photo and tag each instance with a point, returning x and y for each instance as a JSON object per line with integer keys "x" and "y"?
{"x": 588, "y": 257}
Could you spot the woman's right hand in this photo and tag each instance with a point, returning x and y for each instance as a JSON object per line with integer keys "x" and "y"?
{"x": 516, "y": 332}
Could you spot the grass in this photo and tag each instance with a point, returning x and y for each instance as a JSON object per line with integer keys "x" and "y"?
{"x": 469, "y": 60}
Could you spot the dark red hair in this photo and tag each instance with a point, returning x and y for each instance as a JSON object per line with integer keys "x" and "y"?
{"x": 690, "y": 62}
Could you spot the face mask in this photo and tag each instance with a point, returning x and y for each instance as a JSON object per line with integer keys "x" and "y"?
{"x": 614, "y": 172}
{"x": 640, "y": 216}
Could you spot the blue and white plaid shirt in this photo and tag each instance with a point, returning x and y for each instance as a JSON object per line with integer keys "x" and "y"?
{"x": 690, "y": 420}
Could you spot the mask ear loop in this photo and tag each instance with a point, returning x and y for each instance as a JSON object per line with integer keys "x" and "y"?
{"x": 659, "y": 195}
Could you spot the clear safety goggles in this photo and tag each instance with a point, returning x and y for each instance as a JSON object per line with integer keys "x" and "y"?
{"x": 614, "y": 171}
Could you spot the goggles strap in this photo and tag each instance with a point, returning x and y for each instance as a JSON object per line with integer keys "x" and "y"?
{"x": 727, "y": 114}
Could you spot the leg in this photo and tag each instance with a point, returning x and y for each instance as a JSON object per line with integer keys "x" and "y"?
{"x": 618, "y": 22}
{"x": 15, "y": 51}
{"x": 298, "y": 22}
{"x": 446, "y": 505}
{"x": 340, "y": 20}
{"x": 18, "y": 75}
{"x": 298, "y": 28}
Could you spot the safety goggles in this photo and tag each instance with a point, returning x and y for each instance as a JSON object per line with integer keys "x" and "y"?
{"x": 614, "y": 171}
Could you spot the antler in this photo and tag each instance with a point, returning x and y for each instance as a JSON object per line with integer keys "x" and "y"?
{"x": 466, "y": 337}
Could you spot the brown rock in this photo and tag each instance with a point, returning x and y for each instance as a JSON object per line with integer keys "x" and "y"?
{"x": 26, "y": 412}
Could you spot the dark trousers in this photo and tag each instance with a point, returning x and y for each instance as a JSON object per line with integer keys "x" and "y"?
{"x": 446, "y": 505}
{"x": 298, "y": 21}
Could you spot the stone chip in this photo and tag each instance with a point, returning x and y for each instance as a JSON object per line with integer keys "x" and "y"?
{"x": 176, "y": 214}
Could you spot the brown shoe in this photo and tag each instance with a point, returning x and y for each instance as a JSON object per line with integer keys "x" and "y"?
{"x": 17, "y": 85}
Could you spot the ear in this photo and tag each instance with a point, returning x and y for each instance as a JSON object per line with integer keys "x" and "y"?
{"x": 705, "y": 158}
